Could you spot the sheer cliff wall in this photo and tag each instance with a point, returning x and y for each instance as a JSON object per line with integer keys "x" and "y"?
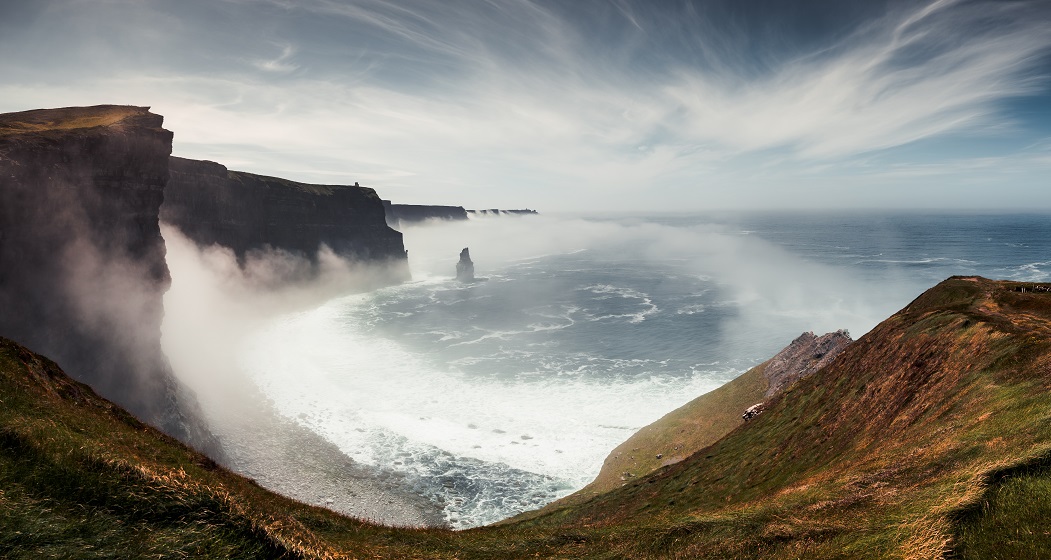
{"x": 82, "y": 260}
{"x": 244, "y": 212}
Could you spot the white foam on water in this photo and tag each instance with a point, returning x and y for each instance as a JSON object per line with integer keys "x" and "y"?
{"x": 381, "y": 403}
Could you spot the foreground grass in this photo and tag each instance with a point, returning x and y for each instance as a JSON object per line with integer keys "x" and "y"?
{"x": 927, "y": 438}
{"x": 1012, "y": 519}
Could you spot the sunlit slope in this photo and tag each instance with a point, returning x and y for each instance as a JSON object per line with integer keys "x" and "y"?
{"x": 929, "y": 436}
{"x": 888, "y": 452}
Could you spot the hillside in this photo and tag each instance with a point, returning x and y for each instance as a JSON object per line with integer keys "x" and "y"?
{"x": 900, "y": 448}
{"x": 927, "y": 437}
{"x": 704, "y": 420}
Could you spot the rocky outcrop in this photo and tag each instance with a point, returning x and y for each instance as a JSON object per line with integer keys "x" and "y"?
{"x": 399, "y": 214}
{"x": 82, "y": 261}
{"x": 465, "y": 267}
{"x": 246, "y": 212}
{"x": 805, "y": 355}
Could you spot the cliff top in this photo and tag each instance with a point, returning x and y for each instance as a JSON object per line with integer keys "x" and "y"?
{"x": 253, "y": 180}
{"x": 74, "y": 118}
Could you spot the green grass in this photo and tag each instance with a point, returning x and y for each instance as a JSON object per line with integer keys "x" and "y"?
{"x": 929, "y": 437}
{"x": 1012, "y": 520}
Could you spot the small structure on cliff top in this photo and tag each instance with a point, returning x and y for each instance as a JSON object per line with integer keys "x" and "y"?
{"x": 465, "y": 267}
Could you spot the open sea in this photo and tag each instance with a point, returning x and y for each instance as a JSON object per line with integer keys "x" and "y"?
{"x": 499, "y": 396}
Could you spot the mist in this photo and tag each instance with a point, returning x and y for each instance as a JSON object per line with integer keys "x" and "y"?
{"x": 765, "y": 281}
{"x": 213, "y": 305}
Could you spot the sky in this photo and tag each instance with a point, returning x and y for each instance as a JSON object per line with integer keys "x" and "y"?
{"x": 589, "y": 105}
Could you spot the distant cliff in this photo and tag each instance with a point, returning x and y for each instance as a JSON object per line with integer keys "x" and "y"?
{"x": 82, "y": 261}
{"x": 499, "y": 212}
{"x": 244, "y": 212}
{"x": 407, "y": 213}
{"x": 398, "y": 214}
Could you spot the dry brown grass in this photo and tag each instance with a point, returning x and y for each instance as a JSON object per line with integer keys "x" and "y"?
{"x": 66, "y": 119}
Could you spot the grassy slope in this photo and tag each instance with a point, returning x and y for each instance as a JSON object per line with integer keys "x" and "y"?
{"x": 81, "y": 478}
{"x": 930, "y": 434}
{"x": 695, "y": 425}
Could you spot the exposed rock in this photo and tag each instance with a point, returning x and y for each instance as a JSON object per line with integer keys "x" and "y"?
{"x": 245, "y": 212}
{"x": 753, "y": 411}
{"x": 399, "y": 214}
{"x": 465, "y": 267}
{"x": 82, "y": 260}
{"x": 805, "y": 355}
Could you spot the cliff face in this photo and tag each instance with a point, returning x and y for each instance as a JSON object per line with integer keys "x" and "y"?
{"x": 399, "y": 213}
{"x": 213, "y": 205}
{"x": 82, "y": 269}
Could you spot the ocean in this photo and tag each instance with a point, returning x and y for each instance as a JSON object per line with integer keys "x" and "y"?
{"x": 499, "y": 396}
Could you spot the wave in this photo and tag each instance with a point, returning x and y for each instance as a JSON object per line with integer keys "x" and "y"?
{"x": 459, "y": 439}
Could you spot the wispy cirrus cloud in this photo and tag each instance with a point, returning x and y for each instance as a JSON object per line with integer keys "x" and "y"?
{"x": 280, "y": 63}
{"x": 565, "y": 101}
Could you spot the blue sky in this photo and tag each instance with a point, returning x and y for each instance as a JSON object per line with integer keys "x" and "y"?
{"x": 569, "y": 106}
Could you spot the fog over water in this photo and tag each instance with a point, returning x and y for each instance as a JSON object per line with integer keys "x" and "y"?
{"x": 499, "y": 396}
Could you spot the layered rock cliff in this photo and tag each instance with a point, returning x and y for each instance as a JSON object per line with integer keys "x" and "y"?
{"x": 805, "y": 355}
{"x": 245, "y": 212}
{"x": 82, "y": 261}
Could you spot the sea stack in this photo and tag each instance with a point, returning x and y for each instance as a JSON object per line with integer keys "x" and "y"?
{"x": 465, "y": 268}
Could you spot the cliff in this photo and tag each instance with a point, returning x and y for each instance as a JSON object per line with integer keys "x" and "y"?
{"x": 409, "y": 213}
{"x": 245, "y": 212}
{"x": 82, "y": 261}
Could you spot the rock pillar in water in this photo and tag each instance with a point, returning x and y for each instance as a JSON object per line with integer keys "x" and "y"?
{"x": 465, "y": 268}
